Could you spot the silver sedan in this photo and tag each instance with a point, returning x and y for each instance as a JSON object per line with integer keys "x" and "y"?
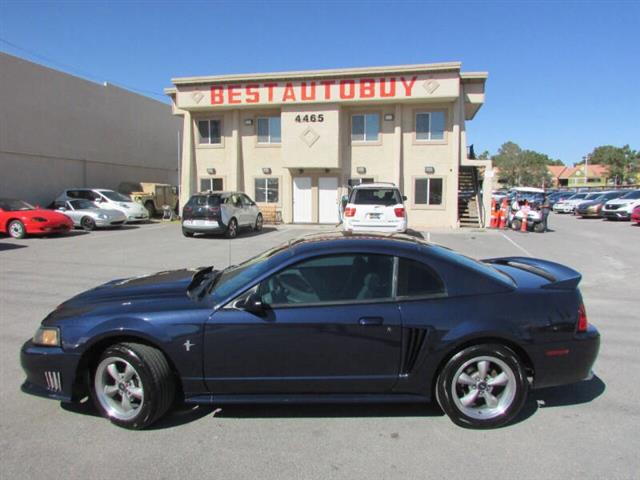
{"x": 86, "y": 215}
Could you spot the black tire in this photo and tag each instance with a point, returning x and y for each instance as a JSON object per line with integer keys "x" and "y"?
{"x": 538, "y": 227}
{"x": 460, "y": 379}
{"x": 232, "y": 229}
{"x": 153, "y": 377}
{"x": 516, "y": 224}
{"x": 87, "y": 223}
{"x": 187, "y": 233}
{"x": 151, "y": 208}
{"x": 259, "y": 223}
{"x": 16, "y": 229}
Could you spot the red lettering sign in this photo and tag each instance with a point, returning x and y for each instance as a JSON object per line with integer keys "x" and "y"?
{"x": 308, "y": 95}
{"x": 347, "y": 89}
{"x": 252, "y": 94}
{"x": 289, "y": 94}
{"x": 391, "y": 92}
{"x": 408, "y": 86}
{"x": 367, "y": 88}
{"x": 327, "y": 88}
{"x": 235, "y": 96}
{"x": 217, "y": 95}
{"x": 270, "y": 87}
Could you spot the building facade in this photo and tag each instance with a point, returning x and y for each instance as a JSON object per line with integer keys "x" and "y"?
{"x": 58, "y": 131}
{"x": 299, "y": 140}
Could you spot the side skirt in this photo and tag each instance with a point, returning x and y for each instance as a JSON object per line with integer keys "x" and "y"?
{"x": 307, "y": 398}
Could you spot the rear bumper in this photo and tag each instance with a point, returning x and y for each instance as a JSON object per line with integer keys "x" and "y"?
{"x": 399, "y": 227}
{"x": 208, "y": 226}
{"x": 50, "y": 371}
{"x": 562, "y": 363}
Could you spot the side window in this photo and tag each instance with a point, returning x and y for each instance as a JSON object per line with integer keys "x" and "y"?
{"x": 73, "y": 193}
{"x": 415, "y": 279}
{"x": 331, "y": 279}
{"x": 246, "y": 201}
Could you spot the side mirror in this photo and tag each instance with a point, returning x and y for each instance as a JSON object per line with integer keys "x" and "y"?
{"x": 252, "y": 303}
{"x": 62, "y": 209}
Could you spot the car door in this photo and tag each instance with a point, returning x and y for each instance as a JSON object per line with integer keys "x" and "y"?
{"x": 327, "y": 325}
{"x": 250, "y": 210}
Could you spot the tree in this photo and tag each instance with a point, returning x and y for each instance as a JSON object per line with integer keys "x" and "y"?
{"x": 522, "y": 167}
{"x": 623, "y": 163}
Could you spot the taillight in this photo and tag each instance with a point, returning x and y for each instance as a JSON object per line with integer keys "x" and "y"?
{"x": 350, "y": 212}
{"x": 399, "y": 212}
{"x": 582, "y": 319}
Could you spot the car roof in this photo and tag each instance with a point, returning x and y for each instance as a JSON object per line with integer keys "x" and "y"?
{"x": 390, "y": 241}
{"x": 212, "y": 192}
{"x": 376, "y": 185}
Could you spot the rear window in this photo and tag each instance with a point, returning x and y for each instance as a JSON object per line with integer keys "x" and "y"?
{"x": 202, "y": 200}
{"x": 375, "y": 196}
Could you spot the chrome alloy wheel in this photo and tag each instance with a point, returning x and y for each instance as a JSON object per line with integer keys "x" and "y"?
{"x": 119, "y": 388}
{"x": 16, "y": 229}
{"x": 483, "y": 387}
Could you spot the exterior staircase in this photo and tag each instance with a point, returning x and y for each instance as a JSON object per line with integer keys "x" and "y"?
{"x": 468, "y": 211}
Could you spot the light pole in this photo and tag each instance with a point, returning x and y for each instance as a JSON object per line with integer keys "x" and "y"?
{"x": 586, "y": 170}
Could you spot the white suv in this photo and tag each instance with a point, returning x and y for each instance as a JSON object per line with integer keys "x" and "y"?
{"x": 620, "y": 208}
{"x": 375, "y": 207}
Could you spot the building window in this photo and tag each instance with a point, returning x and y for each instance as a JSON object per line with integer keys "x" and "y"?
{"x": 365, "y": 127}
{"x": 209, "y": 132}
{"x": 269, "y": 130}
{"x": 428, "y": 191}
{"x": 267, "y": 190}
{"x": 213, "y": 184}
{"x": 430, "y": 126}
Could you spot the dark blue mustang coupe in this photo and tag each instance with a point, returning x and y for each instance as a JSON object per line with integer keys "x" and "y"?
{"x": 331, "y": 318}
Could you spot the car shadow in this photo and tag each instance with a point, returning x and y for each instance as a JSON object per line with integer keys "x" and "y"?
{"x": 116, "y": 228}
{"x": 55, "y": 236}
{"x": 10, "y": 246}
{"x": 563, "y": 396}
{"x": 243, "y": 233}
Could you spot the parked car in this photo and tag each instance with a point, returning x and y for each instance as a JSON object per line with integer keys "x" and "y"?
{"x": 220, "y": 212}
{"x": 86, "y": 215}
{"x": 19, "y": 219}
{"x": 620, "y": 208}
{"x": 569, "y": 204}
{"x": 559, "y": 196}
{"x": 593, "y": 208}
{"x": 635, "y": 215}
{"x": 153, "y": 196}
{"x": 339, "y": 316}
{"x": 107, "y": 199}
{"x": 375, "y": 207}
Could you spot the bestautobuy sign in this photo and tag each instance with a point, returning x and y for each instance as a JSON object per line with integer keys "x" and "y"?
{"x": 320, "y": 91}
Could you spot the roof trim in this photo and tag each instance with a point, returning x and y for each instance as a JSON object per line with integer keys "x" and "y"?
{"x": 429, "y": 67}
{"x": 470, "y": 76}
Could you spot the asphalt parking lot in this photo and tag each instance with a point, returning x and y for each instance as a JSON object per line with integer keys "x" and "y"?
{"x": 587, "y": 430}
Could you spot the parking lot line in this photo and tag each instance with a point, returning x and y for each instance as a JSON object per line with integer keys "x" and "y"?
{"x": 522, "y": 249}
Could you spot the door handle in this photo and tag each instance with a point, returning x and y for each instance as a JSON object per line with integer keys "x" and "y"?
{"x": 367, "y": 321}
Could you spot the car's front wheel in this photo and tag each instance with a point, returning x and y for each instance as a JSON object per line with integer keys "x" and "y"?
{"x": 133, "y": 385}
{"x": 259, "y": 223}
{"x": 16, "y": 229}
{"x": 482, "y": 386}
{"x": 88, "y": 223}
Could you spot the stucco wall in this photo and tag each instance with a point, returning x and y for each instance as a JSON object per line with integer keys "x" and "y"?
{"x": 58, "y": 131}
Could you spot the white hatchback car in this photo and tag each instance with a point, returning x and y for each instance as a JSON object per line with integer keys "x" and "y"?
{"x": 375, "y": 207}
{"x": 107, "y": 199}
{"x": 621, "y": 208}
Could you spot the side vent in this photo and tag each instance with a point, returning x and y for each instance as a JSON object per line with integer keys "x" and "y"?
{"x": 413, "y": 341}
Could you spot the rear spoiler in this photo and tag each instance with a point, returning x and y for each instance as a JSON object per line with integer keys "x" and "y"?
{"x": 559, "y": 276}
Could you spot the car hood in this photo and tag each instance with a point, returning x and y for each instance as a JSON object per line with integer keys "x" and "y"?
{"x": 40, "y": 212}
{"x": 94, "y": 212}
{"x": 622, "y": 201}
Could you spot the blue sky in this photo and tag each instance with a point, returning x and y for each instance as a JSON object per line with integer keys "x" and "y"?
{"x": 563, "y": 76}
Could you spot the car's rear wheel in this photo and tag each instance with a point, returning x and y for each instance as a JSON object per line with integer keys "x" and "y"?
{"x": 87, "y": 223}
{"x": 187, "y": 233}
{"x": 259, "y": 223}
{"x": 482, "y": 386}
{"x": 538, "y": 227}
{"x": 133, "y": 385}
{"x": 516, "y": 224}
{"x": 232, "y": 229}
{"x": 16, "y": 229}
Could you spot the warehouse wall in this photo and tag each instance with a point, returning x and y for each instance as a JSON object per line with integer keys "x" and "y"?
{"x": 58, "y": 131}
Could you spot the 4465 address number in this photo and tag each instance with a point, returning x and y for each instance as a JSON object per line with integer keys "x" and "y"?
{"x": 310, "y": 118}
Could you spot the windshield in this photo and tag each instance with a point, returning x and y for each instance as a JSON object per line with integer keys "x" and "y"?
{"x": 204, "y": 200}
{"x": 11, "y": 205}
{"x": 634, "y": 194}
{"x": 593, "y": 196}
{"x": 376, "y": 196}
{"x": 577, "y": 196}
{"x": 129, "y": 188}
{"x": 235, "y": 277}
{"x": 81, "y": 204}
{"x": 115, "y": 196}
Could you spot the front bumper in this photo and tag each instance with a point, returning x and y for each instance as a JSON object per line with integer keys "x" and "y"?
{"x": 617, "y": 214}
{"x": 48, "y": 228}
{"x": 50, "y": 371}
{"x": 562, "y": 363}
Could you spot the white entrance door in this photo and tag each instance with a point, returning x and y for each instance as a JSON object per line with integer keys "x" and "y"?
{"x": 328, "y": 200}
{"x": 302, "y": 202}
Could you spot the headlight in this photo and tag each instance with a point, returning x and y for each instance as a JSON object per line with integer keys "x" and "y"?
{"x": 103, "y": 216}
{"x": 39, "y": 219}
{"x": 47, "y": 336}
{"x": 124, "y": 205}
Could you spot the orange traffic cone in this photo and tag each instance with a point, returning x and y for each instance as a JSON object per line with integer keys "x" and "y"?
{"x": 494, "y": 219}
{"x": 523, "y": 228}
{"x": 503, "y": 219}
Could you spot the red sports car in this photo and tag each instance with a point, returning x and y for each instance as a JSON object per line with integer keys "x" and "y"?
{"x": 635, "y": 215}
{"x": 19, "y": 219}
